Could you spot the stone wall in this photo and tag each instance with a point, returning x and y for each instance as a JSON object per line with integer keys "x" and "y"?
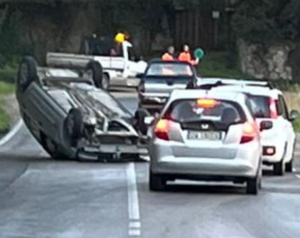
{"x": 263, "y": 62}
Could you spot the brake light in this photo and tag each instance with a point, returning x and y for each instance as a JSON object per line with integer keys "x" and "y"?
{"x": 161, "y": 129}
{"x": 273, "y": 111}
{"x": 250, "y": 131}
{"x": 207, "y": 103}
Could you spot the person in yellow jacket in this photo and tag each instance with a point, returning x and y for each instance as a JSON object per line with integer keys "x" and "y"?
{"x": 169, "y": 55}
{"x": 186, "y": 56}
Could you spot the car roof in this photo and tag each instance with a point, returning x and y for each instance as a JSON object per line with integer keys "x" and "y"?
{"x": 260, "y": 88}
{"x": 234, "y": 81}
{"x": 198, "y": 93}
{"x": 252, "y": 90}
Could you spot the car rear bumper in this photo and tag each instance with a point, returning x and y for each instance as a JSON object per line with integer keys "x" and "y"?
{"x": 203, "y": 167}
{"x": 152, "y": 103}
{"x": 277, "y": 157}
{"x": 114, "y": 152}
{"x": 170, "y": 158}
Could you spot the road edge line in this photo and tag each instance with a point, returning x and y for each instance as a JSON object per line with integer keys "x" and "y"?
{"x": 12, "y": 133}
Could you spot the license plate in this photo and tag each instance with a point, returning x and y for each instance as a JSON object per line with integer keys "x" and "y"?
{"x": 204, "y": 135}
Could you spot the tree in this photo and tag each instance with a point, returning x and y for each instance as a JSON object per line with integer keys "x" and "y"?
{"x": 267, "y": 20}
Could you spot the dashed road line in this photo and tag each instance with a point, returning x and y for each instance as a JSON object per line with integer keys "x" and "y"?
{"x": 134, "y": 227}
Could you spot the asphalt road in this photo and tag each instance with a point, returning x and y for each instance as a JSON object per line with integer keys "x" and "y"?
{"x": 41, "y": 197}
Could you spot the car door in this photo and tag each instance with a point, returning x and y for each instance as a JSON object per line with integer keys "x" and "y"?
{"x": 288, "y": 126}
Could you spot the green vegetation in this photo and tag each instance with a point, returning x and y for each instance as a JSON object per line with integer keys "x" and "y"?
{"x": 220, "y": 65}
{"x": 267, "y": 20}
{"x": 296, "y": 125}
{"x": 5, "y": 89}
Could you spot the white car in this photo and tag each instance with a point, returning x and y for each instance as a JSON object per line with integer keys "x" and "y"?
{"x": 268, "y": 104}
{"x": 204, "y": 135}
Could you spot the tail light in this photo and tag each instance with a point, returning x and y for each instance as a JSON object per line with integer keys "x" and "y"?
{"x": 273, "y": 110}
{"x": 161, "y": 129}
{"x": 250, "y": 131}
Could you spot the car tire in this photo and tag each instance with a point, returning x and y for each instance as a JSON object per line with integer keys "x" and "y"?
{"x": 105, "y": 82}
{"x": 156, "y": 182}
{"x": 139, "y": 116}
{"x": 27, "y": 73}
{"x": 253, "y": 185}
{"x": 289, "y": 166}
{"x": 97, "y": 73}
{"x": 278, "y": 168}
{"x": 74, "y": 126}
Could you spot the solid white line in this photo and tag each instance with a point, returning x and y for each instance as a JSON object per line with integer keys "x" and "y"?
{"x": 11, "y": 134}
{"x": 135, "y": 224}
{"x": 133, "y": 200}
{"x": 297, "y": 175}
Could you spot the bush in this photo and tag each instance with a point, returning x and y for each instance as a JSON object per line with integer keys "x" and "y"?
{"x": 8, "y": 73}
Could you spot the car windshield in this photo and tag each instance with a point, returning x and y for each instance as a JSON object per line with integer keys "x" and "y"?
{"x": 169, "y": 69}
{"x": 259, "y": 106}
{"x": 191, "y": 110}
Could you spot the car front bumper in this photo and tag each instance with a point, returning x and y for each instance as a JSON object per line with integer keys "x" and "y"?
{"x": 111, "y": 152}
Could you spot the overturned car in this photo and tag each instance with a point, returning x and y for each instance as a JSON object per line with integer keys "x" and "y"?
{"x": 73, "y": 118}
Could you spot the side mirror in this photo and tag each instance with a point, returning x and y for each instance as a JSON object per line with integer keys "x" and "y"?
{"x": 294, "y": 115}
{"x": 148, "y": 120}
{"x": 265, "y": 125}
{"x": 140, "y": 76}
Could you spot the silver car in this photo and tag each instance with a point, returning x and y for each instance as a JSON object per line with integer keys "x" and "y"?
{"x": 72, "y": 118}
{"x": 160, "y": 79}
{"x": 206, "y": 136}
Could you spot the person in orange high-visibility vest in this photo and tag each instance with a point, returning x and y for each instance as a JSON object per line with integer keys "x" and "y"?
{"x": 186, "y": 56}
{"x": 169, "y": 55}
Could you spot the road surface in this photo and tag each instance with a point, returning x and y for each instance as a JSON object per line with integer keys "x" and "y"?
{"x": 41, "y": 197}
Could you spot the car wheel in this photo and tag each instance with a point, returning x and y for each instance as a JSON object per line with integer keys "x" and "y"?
{"x": 95, "y": 70}
{"x": 74, "y": 126}
{"x": 105, "y": 82}
{"x": 278, "y": 168}
{"x": 27, "y": 73}
{"x": 139, "y": 116}
{"x": 156, "y": 182}
{"x": 289, "y": 166}
{"x": 253, "y": 185}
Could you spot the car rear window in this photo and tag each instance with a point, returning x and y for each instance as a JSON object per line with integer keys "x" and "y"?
{"x": 224, "y": 112}
{"x": 259, "y": 106}
{"x": 169, "y": 70}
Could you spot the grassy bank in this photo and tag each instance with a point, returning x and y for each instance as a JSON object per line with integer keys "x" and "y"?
{"x": 5, "y": 89}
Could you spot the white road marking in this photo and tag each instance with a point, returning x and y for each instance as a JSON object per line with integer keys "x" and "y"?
{"x": 134, "y": 224}
{"x": 133, "y": 202}
{"x": 134, "y": 233}
{"x": 11, "y": 134}
{"x": 297, "y": 175}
